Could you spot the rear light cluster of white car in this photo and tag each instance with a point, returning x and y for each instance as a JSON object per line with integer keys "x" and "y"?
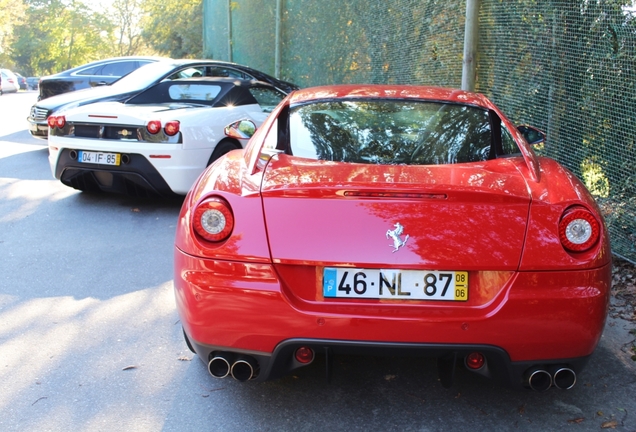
{"x": 579, "y": 230}
{"x": 171, "y": 127}
{"x": 213, "y": 219}
{"x": 56, "y": 122}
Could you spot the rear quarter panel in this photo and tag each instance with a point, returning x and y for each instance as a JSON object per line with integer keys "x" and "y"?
{"x": 227, "y": 178}
{"x": 557, "y": 190}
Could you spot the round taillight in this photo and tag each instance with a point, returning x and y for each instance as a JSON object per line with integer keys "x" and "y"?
{"x": 578, "y": 230}
{"x": 153, "y": 126}
{"x": 475, "y": 360}
{"x": 304, "y": 355}
{"x": 60, "y": 121}
{"x": 213, "y": 220}
{"x": 171, "y": 128}
{"x": 51, "y": 121}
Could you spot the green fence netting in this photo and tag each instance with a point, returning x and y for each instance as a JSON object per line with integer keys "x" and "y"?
{"x": 566, "y": 66}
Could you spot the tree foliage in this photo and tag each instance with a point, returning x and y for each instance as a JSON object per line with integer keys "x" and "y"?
{"x": 39, "y": 37}
{"x": 174, "y": 28}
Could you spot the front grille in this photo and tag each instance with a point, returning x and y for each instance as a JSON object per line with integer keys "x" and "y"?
{"x": 39, "y": 114}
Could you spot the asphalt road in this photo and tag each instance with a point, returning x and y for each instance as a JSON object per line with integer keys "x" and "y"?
{"x": 90, "y": 340}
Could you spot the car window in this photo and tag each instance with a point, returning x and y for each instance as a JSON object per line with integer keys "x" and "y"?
{"x": 195, "y": 92}
{"x": 215, "y": 71}
{"x": 90, "y": 71}
{"x": 508, "y": 144}
{"x": 187, "y": 73}
{"x": 118, "y": 69}
{"x": 390, "y": 132}
{"x": 267, "y": 98}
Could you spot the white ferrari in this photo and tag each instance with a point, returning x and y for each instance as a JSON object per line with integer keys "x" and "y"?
{"x": 158, "y": 142}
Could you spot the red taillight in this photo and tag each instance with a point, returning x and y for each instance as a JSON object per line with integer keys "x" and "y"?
{"x": 304, "y": 355}
{"x": 153, "y": 126}
{"x": 171, "y": 128}
{"x": 475, "y": 360}
{"x": 51, "y": 121}
{"x": 578, "y": 230}
{"x": 213, "y": 220}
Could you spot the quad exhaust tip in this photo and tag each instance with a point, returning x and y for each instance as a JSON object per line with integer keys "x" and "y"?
{"x": 241, "y": 368}
{"x": 558, "y": 376}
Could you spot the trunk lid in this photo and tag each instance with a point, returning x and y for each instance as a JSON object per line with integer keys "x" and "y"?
{"x": 458, "y": 217}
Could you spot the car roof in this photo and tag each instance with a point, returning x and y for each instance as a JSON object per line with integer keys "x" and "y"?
{"x": 109, "y": 60}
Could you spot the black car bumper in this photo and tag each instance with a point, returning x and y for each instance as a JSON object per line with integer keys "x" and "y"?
{"x": 497, "y": 366}
{"x": 136, "y": 176}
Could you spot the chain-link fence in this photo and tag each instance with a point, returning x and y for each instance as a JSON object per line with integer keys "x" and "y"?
{"x": 567, "y": 66}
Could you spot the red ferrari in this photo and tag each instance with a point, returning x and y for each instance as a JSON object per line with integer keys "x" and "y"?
{"x": 392, "y": 220}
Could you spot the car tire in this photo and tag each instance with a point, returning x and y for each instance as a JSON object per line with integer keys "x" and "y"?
{"x": 223, "y": 147}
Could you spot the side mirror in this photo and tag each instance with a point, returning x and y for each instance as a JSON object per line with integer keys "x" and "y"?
{"x": 242, "y": 129}
{"x": 533, "y": 135}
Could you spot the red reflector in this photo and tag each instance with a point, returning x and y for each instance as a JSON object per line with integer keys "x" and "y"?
{"x": 171, "y": 128}
{"x": 304, "y": 355}
{"x": 475, "y": 360}
{"x": 160, "y": 156}
{"x": 153, "y": 126}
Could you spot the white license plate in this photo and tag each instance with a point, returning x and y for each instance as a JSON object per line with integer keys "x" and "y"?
{"x": 395, "y": 284}
{"x": 99, "y": 158}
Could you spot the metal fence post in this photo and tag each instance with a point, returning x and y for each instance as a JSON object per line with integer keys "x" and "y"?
{"x": 229, "y": 30}
{"x": 277, "y": 42}
{"x": 471, "y": 36}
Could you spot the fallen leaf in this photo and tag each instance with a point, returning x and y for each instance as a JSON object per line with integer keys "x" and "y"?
{"x": 184, "y": 358}
{"x": 130, "y": 367}
{"x": 609, "y": 424}
{"x": 576, "y": 420}
{"x": 389, "y": 377}
{"x": 136, "y": 210}
{"x": 599, "y": 413}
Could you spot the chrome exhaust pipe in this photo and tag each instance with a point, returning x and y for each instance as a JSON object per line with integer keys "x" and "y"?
{"x": 538, "y": 379}
{"x": 244, "y": 369}
{"x": 564, "y": 378}
{"x": 219, "y": 366}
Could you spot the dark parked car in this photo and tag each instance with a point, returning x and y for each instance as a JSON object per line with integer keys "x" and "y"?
{"x": 141, "y": 79}
{"x": 33, "y": 82}
{"x": 22, "y": 82}
{"x": 98, "y": 73}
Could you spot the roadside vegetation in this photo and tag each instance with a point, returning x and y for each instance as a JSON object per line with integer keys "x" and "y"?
{"x": 41, "y": 37}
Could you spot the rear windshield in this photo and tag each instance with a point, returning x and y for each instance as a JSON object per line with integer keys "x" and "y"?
{"x": 390, "y": 132}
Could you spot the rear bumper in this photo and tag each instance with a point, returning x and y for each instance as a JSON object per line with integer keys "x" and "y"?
{"x": 538, "y": 319}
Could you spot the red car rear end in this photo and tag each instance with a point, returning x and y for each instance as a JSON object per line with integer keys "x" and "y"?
{"x": 395, "y": 221}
